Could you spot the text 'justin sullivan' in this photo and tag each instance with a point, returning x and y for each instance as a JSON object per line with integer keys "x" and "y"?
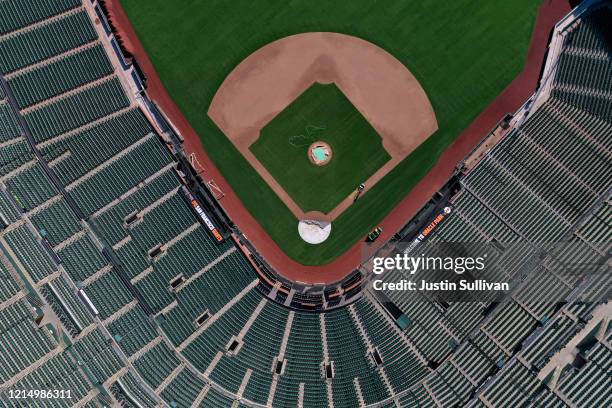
{"x": 445, "y": 285}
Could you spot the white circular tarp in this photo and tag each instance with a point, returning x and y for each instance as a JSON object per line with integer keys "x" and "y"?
{"x": 314, "y": 232}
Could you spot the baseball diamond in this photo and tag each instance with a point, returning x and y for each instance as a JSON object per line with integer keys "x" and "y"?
{"x": 461, "y": 68}
{"x": 253, "y": 100}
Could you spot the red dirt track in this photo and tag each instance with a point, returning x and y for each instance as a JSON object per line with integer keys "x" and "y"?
{"x": 508, "y": 101}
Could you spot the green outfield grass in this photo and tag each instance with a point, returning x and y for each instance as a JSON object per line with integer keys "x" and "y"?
{"x": 324, "y": 113}
{"x": 464, "y": 53}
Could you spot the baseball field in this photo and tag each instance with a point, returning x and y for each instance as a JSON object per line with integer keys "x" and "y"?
{"x": 462, "y": 54}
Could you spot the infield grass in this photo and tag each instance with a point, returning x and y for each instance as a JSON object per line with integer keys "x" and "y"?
{"x": 324, "y": 113}
{"x": 464, "y": 53}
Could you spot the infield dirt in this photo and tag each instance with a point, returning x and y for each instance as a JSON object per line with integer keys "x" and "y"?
{"x": 383, "y": 90}
{"x": 509, "y": 100}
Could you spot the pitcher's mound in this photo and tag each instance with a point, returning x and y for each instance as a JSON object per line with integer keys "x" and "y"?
{"x": 314, "y": 232}
{"x": 319, "y": 153}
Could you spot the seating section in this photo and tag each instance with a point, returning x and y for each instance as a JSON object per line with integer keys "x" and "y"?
{"x": 9, "y": 208}
{"x": 571, "y": 72}
{"x": 510, "y": 327}
{"x": 132, "y": 330}
{"x": 9, "y": 128}
{"x": 214, "y": 398}
{"x": 530, "y": 297}
{"x": 130, "y": 393}
{"x": 56, "y": 223}
{"x": 45, "y": 41}
{"x": 418, "y": 397}
{"x": 401, "y": 364}
{"x": 81, "y": 259}
{"x": 21, "y": 342}
{"x": 583, "y": 73}
{"x": 595, "y": 104}
{"x": 518, "y": 386}
{"x": 30, "y": 252}
{"x": 589, "y": 34}
{"x": 221, "y": 283}
{"x": 195, "y": 252}
{"x": 111, "y": 220}
{"x": 75, "y": 156}
{"x": 54, "y": 78}
{"x": 16, "y": 14}
{"x": 184, "y": 389}
{"x": 449, "y": 387}
{"x": 31, "y": 187}
{"x": 120, "y": 175}
{"x": 149, "y": 232}
{"x": 13, "y": 156}
{"x": 97, "y": 357}
{"x": 100, "y": 400}
{"x": 538, "y": 353}
{"x": 98, "y": 291}
{"x": 66, "y": 304}
{"x": 255, "y": 355}
{"x": 346, "y": 349}
{"x": 202, "y": 350}
{"x": 60, "y": 372}
{"x": 304, "y": 355}
{"x": 156, "y": 364}
{"x": 8, "y": 286}
{"x": 76, "y": 110}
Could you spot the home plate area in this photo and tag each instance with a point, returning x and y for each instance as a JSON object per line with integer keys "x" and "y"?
{"x": 313, "y": 231}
